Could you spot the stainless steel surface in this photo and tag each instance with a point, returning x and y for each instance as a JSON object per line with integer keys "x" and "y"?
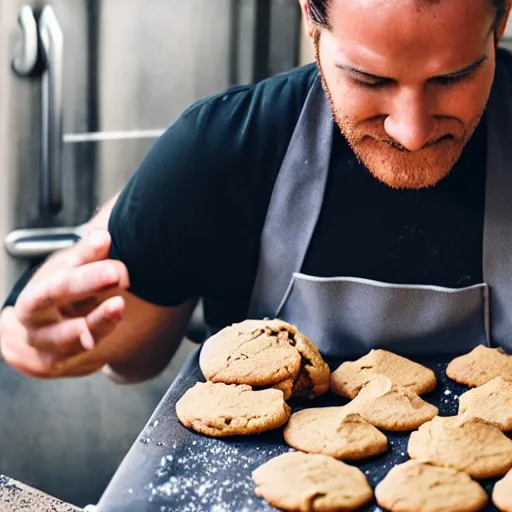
{"x": 129, "y": 69}
{"x": 74, "y": 138}
{"x": 40, "y": 242}
{"x": 51, "y": 101}
{"x": 25, "y": 60}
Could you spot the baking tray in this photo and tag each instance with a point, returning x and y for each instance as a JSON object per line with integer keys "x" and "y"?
{"x": 170, "y": 468}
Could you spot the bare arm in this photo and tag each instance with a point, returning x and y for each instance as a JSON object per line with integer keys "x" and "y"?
{"x": 75, "y": 317}
{"x": 101, "y": 217}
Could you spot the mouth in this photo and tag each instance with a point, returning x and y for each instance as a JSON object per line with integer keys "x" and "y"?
{"x": 397, "y": 146}
{"x": 441, "y": 139}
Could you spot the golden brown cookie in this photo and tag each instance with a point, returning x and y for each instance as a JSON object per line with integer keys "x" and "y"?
{"x": 331, "y": 431}
{"x": 502, "y": 493}
{"x": 220, "y": 410}
{"x": 391, "y": 407}
{"x": 351, "y": 376}
{"x": 266, "y": 353}
{"x": 480, "y": 366}
{"x": 419, "y": 487}
{"x": 310, "y": 482}
{"x": 480, "y": 449}
{"x": 491, "y": 402}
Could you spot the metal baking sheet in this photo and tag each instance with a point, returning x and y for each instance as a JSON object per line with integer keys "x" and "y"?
{"x": 170, "y": 468}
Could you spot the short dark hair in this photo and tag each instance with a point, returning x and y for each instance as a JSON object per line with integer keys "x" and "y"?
{"x": 319, "y": 11}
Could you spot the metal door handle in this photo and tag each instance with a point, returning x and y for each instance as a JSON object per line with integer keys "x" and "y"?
{"x": 26, "y": 58}
{"x": 41, "y": 242}
{"x": 51, "y": 144}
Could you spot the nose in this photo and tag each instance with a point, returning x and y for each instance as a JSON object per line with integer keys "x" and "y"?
{"x": 409, "y": 122}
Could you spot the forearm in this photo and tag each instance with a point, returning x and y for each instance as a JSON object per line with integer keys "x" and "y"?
{"x": 145, "y": 355}
{"x": 76, "y": 317}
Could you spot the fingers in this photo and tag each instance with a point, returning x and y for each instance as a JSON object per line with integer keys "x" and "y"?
{"x": 66, "y": 310}
{"x": 42, "y": 352}
{"x": 16, "y": 351}
{"x": 67, "y": 286}
{"x": 72, "y": 336}
{"x": 102, "y": 321}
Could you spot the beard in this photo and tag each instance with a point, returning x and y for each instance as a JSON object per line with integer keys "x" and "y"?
{"x": 396, "y": 166}
{"x": 389, "y": 161}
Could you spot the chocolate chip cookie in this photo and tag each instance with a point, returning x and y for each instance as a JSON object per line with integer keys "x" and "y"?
{"x": 266, "y": 353}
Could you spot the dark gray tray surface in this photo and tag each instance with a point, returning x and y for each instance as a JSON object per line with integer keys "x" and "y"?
{"x": 170, "y": 468}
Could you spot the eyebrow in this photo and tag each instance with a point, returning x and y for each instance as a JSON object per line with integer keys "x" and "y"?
{"x": 465, "y": 70}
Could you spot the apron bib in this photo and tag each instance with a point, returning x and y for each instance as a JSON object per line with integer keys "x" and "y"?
{"x": 346, "y": 316}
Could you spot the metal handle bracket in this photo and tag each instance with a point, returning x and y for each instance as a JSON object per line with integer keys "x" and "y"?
{"x": 52, "y": 41}
{"x": 24, "y": 63}
{"x": 41, "y": 242}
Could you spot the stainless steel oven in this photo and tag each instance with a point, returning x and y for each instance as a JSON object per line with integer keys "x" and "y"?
{"x": 86, "y": 87}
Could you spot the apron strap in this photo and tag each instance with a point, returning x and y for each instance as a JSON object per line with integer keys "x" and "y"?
{"x": 497, "y": 247}
{"x": 295, "y": 204}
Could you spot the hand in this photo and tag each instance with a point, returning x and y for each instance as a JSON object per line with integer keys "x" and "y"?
{"x": 71, "y": 304}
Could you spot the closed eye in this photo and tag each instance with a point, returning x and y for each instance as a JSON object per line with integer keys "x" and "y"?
{"x": 374, "y": 84}
{"x": 452, "y": 80}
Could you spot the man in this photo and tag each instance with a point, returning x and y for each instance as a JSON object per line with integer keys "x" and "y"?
{"x": 372, "y": 229}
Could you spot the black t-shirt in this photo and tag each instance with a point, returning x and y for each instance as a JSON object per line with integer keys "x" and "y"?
{"x": 188, "y": 224}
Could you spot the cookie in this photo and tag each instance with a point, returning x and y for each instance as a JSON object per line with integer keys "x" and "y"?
{"x": 266, "y": 353}
{"x": 491, "y": 402}
{"x": 330, "y": 431}
{"x": 351, "y": 376}
{"x": 502, "y": 493}
{"x": 218, "y": 410}
{"x": 480, "y": 449}
{"x": 391, "y": 407}
{"x": 480, "y": 366}
{"x": 311, "y": 482}
{"x": 419, "y": 487}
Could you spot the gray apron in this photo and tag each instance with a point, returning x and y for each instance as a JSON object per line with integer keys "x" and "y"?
{"x": 347, "y": 316}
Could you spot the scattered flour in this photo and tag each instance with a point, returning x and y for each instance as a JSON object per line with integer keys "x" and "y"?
{"x": 213, "y": 476}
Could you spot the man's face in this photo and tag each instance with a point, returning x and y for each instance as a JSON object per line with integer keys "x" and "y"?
{"x": 408, "y": 82}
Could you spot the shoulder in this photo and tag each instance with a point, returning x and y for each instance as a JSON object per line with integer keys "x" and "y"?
{"x": 237, "y": 138}
{"x": 246, "y": 125}
{"x": 205, "y": 184}
{"x": 242, "y": 113}
{"x": 240, "y": 132}
{"x": 286, "y": 90}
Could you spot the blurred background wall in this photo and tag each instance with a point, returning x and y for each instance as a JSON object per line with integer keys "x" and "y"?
{"x": 77, "y": 115}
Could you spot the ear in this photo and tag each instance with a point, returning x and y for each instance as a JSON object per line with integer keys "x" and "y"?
{"x": 306, "y": 18}
{"x": 500, "y": 29}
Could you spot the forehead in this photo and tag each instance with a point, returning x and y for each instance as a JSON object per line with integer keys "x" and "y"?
{"x": 383, "y": 33}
